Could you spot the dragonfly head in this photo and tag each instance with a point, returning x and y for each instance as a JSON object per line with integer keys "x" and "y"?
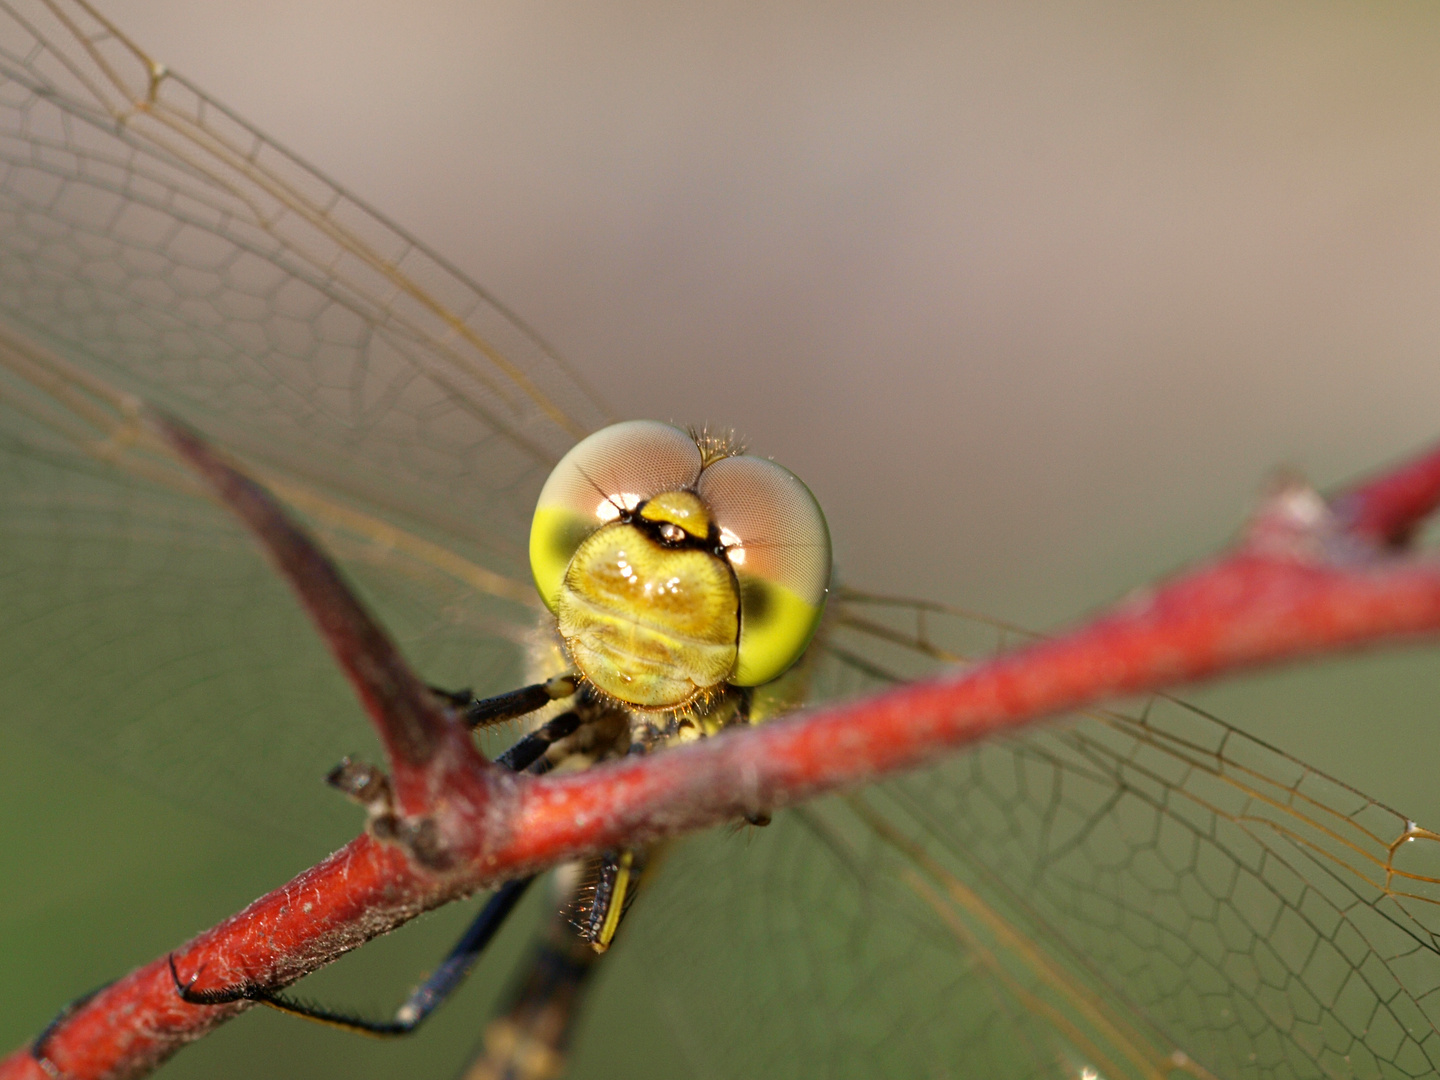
{"x": 672, "y": 569}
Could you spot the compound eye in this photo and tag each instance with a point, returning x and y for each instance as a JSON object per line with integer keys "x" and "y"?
{"x": 603, "y": 476}
{"x": 778, "y": 544}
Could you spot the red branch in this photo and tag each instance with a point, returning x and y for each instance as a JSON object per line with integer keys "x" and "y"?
{"x": 1306, "y": 578}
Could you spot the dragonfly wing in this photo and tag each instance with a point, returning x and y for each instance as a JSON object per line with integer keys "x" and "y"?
{"x": 1116, "y": 895}
{"x": 153, "y": 246}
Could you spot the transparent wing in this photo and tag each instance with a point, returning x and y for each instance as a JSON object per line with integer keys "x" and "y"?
{"x": 1118, "y": 895}
{"x": 153, "y": 245}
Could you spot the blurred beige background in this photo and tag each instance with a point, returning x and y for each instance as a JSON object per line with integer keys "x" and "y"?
{"x": 1034, "y": 296}
{"x": 1041, "y": 290}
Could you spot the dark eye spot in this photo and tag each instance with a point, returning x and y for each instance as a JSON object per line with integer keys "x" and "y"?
{"x": 565, "y": 541}
{"x": 756, "y": 605}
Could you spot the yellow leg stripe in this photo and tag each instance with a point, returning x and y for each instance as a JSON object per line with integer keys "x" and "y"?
{"x": 617, "y": 903}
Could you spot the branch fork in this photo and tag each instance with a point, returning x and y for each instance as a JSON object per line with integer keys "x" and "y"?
{"x": 1307, "y": 577}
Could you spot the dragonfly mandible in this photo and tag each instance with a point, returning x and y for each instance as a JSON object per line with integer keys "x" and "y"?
{"x": 179, "y": 255}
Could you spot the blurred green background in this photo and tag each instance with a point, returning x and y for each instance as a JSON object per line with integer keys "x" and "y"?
{"x": 1034, "y": 297}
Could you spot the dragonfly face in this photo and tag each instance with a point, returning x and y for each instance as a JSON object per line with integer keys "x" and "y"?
{"x": 676, "y": 565}
{"x": 1101, "y": 898}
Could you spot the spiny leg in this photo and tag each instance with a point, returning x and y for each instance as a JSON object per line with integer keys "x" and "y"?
{"x": 616, "y": 881}
{"x": 423, "y": 1000}
{"x": 526, "y": 755}
{"x": 530, "y": 1038}
{"x": 37, "y": 1048}
{"x": 511, "y": 705}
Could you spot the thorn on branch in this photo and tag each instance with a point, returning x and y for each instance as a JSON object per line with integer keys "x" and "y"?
{"x": 1230, "y": 614}
{"x": 417, "y": 728}
{"x": 370, "y": 787}
{"x": 365, "y": 784}
{"x": 1390, "y": 508}
{"x": 1292, "y": 521}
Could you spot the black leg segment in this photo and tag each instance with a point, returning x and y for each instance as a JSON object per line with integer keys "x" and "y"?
{"x": 512, "y": 704}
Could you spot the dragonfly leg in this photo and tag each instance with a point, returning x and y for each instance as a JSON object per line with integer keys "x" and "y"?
{"x": 610, "y": 885}
{"x": 37, "y": 1048}
{"x": 528, "y": 754}
{"x": 423, "y": 1001}
{"x": 577, "y": 730}
{"x": 616, "y": 877}
{"x": 530, "y": 1038}
{"x": 485, "y": 712}
{"x": 745, "y": 713}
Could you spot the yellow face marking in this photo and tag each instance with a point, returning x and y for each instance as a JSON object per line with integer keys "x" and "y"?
{"x": 651, "y": 625}
{"x": 682, "y": 509}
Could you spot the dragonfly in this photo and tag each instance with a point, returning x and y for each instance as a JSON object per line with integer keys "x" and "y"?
{"x": 1139, "y": 893}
